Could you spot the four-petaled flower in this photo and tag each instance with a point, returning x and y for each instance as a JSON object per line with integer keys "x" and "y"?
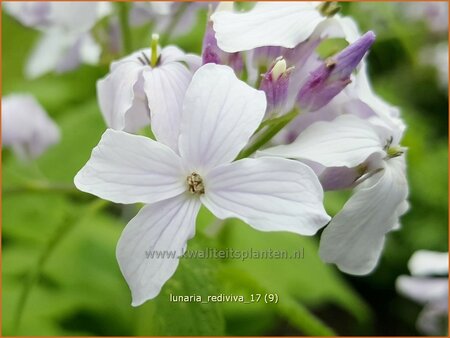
{"x": 219, "y": 115}
{"x": 143, "y": 83}
{"x": 355, "y": 236}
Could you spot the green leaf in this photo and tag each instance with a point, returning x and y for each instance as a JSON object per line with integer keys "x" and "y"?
{"x": 162, "y": 317}
{"x": 308, "y": 279}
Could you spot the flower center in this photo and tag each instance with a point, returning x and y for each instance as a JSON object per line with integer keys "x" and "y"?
{"x": 195, "y": 184}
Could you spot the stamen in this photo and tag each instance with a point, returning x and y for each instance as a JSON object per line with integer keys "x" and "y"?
{"x": 146, "y": 58}
{"x": 195, "y": 184}
{"x": 278, "y": 69}
{"x": 141, "y": 61}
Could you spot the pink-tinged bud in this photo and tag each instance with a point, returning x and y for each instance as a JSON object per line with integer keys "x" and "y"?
{"x": 333, "y": 75}
{"x": 275, "y": 84}
{"x": 211, "y": 53}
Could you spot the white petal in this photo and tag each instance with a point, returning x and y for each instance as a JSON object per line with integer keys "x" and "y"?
{"x": 423, "y": 290}
{"x": 339, "y": 27}
{"x": 347, "y": 141}
{"x": 270, "y": 194}
{"x": 74, "y": 16}
{"x": 116, "y": 95}
{"x": 425, "y": 262}
{"x": 174, "y": 54}
{"x": 126, "y": 168}
{"x": 432, "y": 319}
{"x": 354, "y": 238}
{"x": 165, "y": 88}
{"x": 47, "y": 53}
{"x": 220, "y": 114}
{"x": 90, "y": 50}
{"x": 283, "y": 24}
{"x": 158, "y": 229}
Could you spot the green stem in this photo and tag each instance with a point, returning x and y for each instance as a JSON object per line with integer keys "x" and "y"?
{"x": 271, "y": 128}
{"x": 57, "y": 237}
{"x": 41, "y": 187}
{"x": 123, "y": 13}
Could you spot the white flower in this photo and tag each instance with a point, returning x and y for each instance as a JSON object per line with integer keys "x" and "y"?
{"x": 26, "y": 127}
{"x": 428, "y": 290}
{"x": 219, "y": 115}
{"x": 284, "y": 24}
{"x": 61, "y": 52}
{"x": 437, "y": 56}
{"x": 354, "y": 238}
{"x": 66, "y": 41}
{"x": 134, "y": 90}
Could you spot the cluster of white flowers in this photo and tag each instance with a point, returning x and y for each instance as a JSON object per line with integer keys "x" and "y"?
{"x": 256, "y": 128}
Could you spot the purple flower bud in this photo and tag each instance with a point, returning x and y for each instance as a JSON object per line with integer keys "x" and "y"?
{"x": 275, "y": 84}
{"x": 333, "y": 75}
{"x": 211, "y": 53}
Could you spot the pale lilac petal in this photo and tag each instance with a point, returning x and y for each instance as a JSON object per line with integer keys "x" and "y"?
{"x": 165, "y": 88}
{"x": 270, "y": 194}
{"x": 432, "y": 320}
{"x": 26, "y": 127}
{"x": 161, "y": 229}
{"x": 126, "y": 168}
{"x": 117, "y": 95}
{"x": 355, "y": 236}
{"x": 47, "y": 53}
{"x": 89, "y": 50}
{"x": 423, "y": 289}
{"x": 283, "y": 24}
{"x": 75, "y": 16}
{"x": 425, "y": 262}
{"x": 220, "y": 114}
{"x": 347, "y": 141}
{"x": 31, "y": 14}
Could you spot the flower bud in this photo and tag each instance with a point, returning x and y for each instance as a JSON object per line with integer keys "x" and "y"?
{"x": 333, "y": 75}
{"x": 275, "y": 84}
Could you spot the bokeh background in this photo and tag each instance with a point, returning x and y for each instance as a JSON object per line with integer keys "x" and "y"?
{"x": 59, "y": 272}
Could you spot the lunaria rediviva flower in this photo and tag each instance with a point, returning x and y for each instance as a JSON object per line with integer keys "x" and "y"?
{"x": 146, "y": 85}
{"x": 370, "y": 150}
{"x": 66, "y": 41}
{"x": 428, "y": 285}
{"x": 26, "y": 127}
{"x": 218, "y": 116}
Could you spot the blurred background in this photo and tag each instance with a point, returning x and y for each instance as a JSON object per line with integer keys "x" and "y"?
{"x": 59, "y": 271}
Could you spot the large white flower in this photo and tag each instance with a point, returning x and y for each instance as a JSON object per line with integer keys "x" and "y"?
{"x": 284, "y": 24}
{"x": 219, "y": 115}
{"x": 428, "y": 285}
{"x": 135, "y": 89}
{"x": 26, "y": 127}
{"x": 354, "y": 238}
{"x": 66, "y": 41}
